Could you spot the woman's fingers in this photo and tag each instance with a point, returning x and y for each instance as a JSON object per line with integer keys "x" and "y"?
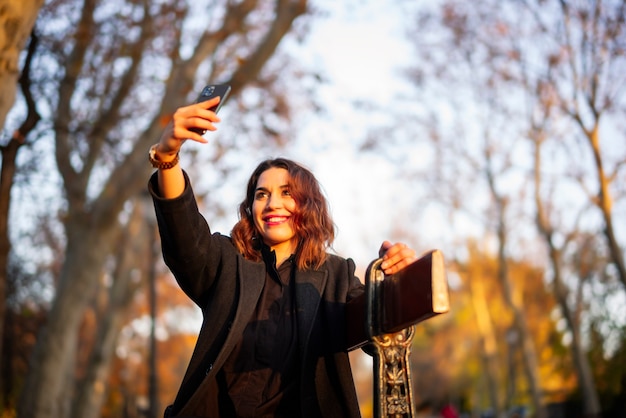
{"x": 396, "y": 257}
{"x": 191, "y": 122}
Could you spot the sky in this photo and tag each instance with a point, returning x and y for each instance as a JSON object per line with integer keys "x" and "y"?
{"x": 362, "y": 48}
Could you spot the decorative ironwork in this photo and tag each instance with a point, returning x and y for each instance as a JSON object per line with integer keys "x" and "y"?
{"x": 393, "y": 306}
{"x": 392, "y": 374}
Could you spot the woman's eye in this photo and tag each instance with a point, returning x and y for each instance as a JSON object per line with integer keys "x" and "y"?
{"x": 286, "y": 193}
{"x": 260, "y": 195}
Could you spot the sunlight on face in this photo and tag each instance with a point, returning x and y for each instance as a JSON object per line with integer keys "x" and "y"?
{"x": 272, "y": 211}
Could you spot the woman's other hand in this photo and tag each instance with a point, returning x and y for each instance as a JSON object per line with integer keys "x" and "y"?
{"x": 395, "y": 257}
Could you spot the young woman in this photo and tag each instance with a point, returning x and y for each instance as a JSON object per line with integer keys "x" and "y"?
{"x": 273, "y": 337}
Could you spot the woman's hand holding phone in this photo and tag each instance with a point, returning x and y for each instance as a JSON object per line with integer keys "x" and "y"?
{"x": 192, "y": 121}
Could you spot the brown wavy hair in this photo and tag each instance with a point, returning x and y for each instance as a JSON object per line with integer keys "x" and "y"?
{"x": 313, "y": 225}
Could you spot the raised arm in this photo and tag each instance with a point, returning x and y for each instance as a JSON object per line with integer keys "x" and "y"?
{"x": 186, "y": 123}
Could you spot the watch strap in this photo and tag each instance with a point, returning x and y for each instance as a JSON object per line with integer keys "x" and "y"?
{"x": 161, "y": 165}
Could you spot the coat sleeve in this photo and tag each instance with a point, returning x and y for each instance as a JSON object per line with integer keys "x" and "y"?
{"x": 190, "y": 250}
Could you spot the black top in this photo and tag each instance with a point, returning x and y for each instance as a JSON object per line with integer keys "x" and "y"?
{"x": 260, "y": 376}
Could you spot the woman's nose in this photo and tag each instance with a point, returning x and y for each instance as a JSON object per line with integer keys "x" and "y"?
{"x": 273, "y": 202}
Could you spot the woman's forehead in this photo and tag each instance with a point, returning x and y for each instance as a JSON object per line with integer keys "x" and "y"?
{"x": 273, "y": 176}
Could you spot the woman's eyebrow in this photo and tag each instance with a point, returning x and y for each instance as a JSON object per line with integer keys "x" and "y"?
{"x": 265, "y": 189}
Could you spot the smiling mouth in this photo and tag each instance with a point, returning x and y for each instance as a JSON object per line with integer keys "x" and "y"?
{"x": 275, "y": 220}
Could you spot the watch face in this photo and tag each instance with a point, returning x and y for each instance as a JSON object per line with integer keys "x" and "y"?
{"x": 152, "y": 154}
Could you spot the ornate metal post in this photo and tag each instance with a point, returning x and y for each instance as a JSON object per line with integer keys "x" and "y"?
{"x": 392, "y": 374}
{"x": 393, "y": 307}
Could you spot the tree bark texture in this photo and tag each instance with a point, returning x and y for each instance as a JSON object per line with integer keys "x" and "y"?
{"x": 17, "y": 19}
{"x": 7, "y": 175}
{"x": 91, "y": 390}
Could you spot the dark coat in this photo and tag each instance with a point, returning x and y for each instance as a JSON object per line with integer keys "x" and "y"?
{"x": 226, "y": 287}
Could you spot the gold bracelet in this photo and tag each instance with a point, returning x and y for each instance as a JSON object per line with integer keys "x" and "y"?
{"x": 160, "y": 164}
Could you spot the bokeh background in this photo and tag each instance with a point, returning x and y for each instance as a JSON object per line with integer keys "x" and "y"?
{"x": 493, "y": 131}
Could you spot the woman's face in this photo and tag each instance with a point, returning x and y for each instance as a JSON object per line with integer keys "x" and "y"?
{"x": 272, "y": 211}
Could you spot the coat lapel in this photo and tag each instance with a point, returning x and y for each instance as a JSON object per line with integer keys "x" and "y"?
{"x": 309, "y": 290}
{"x": 251, "y": 278}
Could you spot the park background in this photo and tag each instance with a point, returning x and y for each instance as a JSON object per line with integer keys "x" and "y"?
{"x": 492, "y": 130}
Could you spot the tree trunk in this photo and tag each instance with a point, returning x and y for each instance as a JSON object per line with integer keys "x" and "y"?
{"x": 529, "y": 355}
{"x": 531, "y": 367}
{"x": 581, "y": 362}
{"x": 488, "y": 339}
{"x": 91, "y": 391}
{"x": 604, "y": 202}
{"x": 41, "y": 396}
{"x": 17, "y": 19}
{"x": 7, "y": 174}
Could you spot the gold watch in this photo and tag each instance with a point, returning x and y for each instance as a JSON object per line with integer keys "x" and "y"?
{"x": 160, "y": 164}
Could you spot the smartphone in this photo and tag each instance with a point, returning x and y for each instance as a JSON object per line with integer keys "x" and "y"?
{"x": 209, "y": 92}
